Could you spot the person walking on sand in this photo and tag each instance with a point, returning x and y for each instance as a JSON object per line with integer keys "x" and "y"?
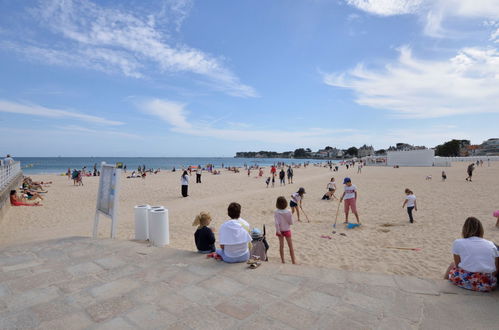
{"x": 184, "y": 181}
{"x": 444, "y": 176}
{"x": 410, "y": 200}
{"x": 199, "y": 171}
{"x": 469, "y": 170}
{"x": 282, "y": 177}
{"x": 296, "y": 202}
{"x": 350, "y": 197}
{"x": 283, "y": 220}
{"x": 290, "y": 175}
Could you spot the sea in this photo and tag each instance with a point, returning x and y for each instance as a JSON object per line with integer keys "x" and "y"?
{"x": 47, "y": 165}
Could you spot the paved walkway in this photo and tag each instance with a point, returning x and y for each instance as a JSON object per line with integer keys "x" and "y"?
{"x": 80, "y": 283}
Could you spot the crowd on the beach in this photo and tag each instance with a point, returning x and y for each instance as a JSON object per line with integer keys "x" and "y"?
{"x": 476, "y": 260}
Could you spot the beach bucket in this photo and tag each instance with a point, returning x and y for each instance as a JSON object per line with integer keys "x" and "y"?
{"x": 496, "y": 213}
{"x": 141, "y": 222}
{"x": 159, "y": 231}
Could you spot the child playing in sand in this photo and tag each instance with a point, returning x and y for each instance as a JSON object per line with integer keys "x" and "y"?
{"x": 410, "y": 200}
{"x": 295, "y": 201}
{"x": 204, "y": 237}
{"x": 350, "y": 197}
{"x": 283, "y": 221}
{"x": 267, "y": 181}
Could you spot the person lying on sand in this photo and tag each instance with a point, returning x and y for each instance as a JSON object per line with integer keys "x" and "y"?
{"x": 16, "y": 201}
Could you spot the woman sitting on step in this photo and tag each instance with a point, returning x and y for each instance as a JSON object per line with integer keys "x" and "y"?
{"x": 476, "y": 260}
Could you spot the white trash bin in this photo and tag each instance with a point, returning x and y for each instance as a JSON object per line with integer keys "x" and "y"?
{"x": 159, "y": 231}
{"x": 141, "y": 222}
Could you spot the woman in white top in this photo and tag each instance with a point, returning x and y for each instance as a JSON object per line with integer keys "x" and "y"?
{"x": 184, "y": 181}
{"x": 234, "y": 237}
{"x": 476, "y": 260}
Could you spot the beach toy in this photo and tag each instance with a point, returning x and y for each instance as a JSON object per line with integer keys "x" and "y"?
{"x": 496, "y": 213}
{"x": 352, "y": 225}
{"x": 336, "y": 217}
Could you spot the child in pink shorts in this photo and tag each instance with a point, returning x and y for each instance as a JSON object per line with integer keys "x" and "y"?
{"x": 350, "y": 197}
{"x": 283, "y": 221}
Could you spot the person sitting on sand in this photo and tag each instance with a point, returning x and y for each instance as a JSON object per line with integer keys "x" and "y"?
{"x": 476, "y": 260}
{"x": 234, "y": 237}
{"x": 283, "y": 220}
{"x": 15, "y": 201}
{"x": 350, "y": 197}
{"x": 204, "y": 237}
{"x": 331, "y": 188}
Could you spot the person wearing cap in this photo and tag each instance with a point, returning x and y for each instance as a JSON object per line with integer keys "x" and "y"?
{"x": 295, "y": 202}
{"x": 350, "y": 197}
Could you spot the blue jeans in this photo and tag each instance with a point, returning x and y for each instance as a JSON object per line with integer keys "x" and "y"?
{"x": 225, "y": 258}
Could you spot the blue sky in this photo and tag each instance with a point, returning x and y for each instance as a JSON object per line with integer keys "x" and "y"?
{"x": 209, "y": 78}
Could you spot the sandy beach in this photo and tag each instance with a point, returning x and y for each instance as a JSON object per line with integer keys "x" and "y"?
{"x": 442, "y": 208}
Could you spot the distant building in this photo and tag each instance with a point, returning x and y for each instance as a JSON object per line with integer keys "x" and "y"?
{"x": 490, "y": 147}
{"x": 327, "y": 153}
{"x": 365, "y": 151}
{"x": 420, "y": 157}
{"x": 472, "y": 150}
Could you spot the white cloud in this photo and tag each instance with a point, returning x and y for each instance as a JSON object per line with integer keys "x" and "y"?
{"x": 432, "y": 12}
{"x": 467, "y": 83}
{"x": 176, "y": 115}
{"x": 113, "y": 40}
{"x": 38, "y": 110}
{"x": 387, "y": 7}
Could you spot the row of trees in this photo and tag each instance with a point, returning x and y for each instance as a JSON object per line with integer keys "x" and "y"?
{"x": 451, "y": 148}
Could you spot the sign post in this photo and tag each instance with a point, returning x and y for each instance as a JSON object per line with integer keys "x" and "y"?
{"x": 107, "y": 197}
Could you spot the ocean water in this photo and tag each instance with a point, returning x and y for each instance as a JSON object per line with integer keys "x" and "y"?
{"x": 39, "y": 165}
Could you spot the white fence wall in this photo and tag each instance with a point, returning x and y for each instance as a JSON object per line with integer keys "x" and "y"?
{"x": 470, "y": 159}
{"x": 9, "y": 173}
{"x": 422, "y": 157}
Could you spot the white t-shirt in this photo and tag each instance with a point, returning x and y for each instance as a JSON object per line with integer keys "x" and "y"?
{"x": 350, "y": 191}
{"x": 331, "y": 185}
{"x": 296, "y": 197}
{"x": 477, "y": 254}
{"x": 237, "y": 250}
{"x": 8, "y": 161}
{"x": 410, "y": 200}
{"x": 199, "y": 170}
{"x": 184, "y": 179}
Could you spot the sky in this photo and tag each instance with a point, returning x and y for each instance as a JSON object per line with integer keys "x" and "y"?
{"x": 207, "y": 78}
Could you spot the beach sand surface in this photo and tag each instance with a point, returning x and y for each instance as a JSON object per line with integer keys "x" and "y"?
{"x": 442, "y": 208}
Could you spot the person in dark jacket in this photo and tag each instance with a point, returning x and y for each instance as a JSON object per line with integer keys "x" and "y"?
{"x": 204, "y": 237}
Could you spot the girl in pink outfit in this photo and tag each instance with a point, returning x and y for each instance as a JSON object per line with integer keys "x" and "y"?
{"x": 283, "y": 221}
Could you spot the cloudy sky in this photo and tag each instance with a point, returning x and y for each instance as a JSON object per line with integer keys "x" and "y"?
{"x": 209, "y": 78}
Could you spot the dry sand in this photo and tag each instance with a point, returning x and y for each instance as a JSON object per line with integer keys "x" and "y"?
{"x": 443, "y": 207}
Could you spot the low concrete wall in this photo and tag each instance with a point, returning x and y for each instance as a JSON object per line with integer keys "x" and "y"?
{"x": 4, "y": 194}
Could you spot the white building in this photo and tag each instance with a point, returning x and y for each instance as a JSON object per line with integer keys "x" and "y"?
{"x": 423, "y": 157}
{"x": 365, "y": 151}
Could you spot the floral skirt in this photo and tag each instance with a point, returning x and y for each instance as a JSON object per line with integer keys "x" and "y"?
{"x": 483, "y": 282}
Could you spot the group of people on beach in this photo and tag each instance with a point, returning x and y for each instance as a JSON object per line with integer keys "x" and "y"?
{"x": 240, "y": 243}
{"x": 31, "y": 193}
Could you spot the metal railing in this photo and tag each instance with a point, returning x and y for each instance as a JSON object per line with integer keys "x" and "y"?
{"x": 9, "y": 173}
